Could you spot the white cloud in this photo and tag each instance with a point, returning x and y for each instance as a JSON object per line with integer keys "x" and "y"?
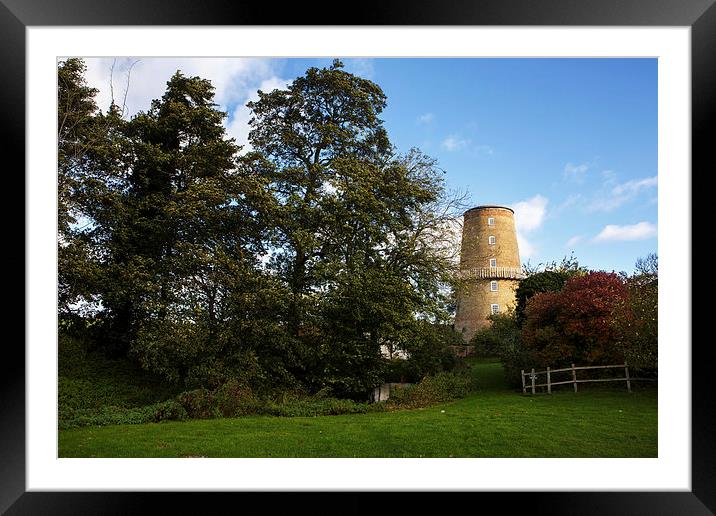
{"x": 575, "y": 172}
{"x": 235, "y": 81}
{"x": 527, "y": 249}
{"x": 620, "y": 194}
{"x": 529, "y": 216}
{"x": 231, "y": 77}
{"x": 633, "y": 187}
{"x": 454, "y": 143}
{"x": 570, "y": 201}
{"x": 426, "y": 118}
{"x": 238, "y": 127}
{"x": 639, "y": 231}
{"x": 573, "y": 241}
{"x": 362, "y": 67}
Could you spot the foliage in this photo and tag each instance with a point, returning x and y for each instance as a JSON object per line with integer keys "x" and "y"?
{"x": 234, "y": 399}
{"x": 636, "y": 317}
{"x": 82, "y": 148}
{"x": 354, "y": 226}
{"x": 545, "y": 281}
{"x": 502, "y": 339}
{"x": 568, "y": 265}
{"x": 88, "y": 380}
{"x": 199, "y": 403}
{"x": 96, "y": 390}
{"x": 432, "y": 389}
{"x": 286, "y": 266}
{"x": 169, "y": 410}
{"x": 574, "y": 325}
{"x": 429, "y": 351}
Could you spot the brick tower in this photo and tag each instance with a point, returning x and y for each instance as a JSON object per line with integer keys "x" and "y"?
{"x": 489, "y": 267}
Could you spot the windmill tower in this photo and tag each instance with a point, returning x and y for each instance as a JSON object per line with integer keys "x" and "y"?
{"x": 489, "y": 267}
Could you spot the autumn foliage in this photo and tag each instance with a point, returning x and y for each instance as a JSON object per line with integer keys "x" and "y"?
{"x": 575, "y": 325}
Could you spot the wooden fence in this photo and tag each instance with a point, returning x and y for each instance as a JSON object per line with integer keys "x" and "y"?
{"x": 532, "y": 375}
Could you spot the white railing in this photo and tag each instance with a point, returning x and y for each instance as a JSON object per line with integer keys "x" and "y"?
{"x": 492, "y": 272}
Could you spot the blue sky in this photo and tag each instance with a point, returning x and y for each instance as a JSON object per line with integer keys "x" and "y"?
{"x": 570, "y": 144}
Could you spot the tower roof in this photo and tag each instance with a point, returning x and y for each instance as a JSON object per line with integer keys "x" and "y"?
{"x": 485, "y": 206}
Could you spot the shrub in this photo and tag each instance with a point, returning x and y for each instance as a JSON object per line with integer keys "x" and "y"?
{"x": 575, "y": 324}
{"x": 437, "y": 388}
{"x": 546, "y": 281}
{"x": 112, "y": 415}
{"x": 486, "y": 344}
{"x": 170, "y": 410}
{"x": 199, "y": 403}
{"x": 234, "y": 398}
{"x": 429, "y": 352}
{"x": 636, "y": 318}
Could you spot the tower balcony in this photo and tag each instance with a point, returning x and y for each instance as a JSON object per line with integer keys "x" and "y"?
{"x": 492, "y": 273}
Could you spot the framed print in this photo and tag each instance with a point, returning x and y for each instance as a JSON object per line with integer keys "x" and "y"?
{"x": 666, "y": 53}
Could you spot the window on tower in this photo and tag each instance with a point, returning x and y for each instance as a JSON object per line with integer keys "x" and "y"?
{"x": 495, "y": 308}
{"x": 490, "y": 221}
{"x": 493, "y": 286}
{"x": 493, "y": 262}
{"x": 491, "y": 240}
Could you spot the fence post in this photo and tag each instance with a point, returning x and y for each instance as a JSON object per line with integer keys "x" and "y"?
{"x": 626, "y": 373}
{"x": 574, "y": 377}
{"x": 549, "y": 385}
{"x": 524, "y": 390}
{"x": 533, "y": 380}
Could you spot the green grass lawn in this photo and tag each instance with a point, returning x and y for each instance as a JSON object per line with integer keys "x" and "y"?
{"x": 491, "y": 422}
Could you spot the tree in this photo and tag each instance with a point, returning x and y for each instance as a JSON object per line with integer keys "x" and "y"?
{"x": 544, "y": 277}
{"x": 575, "y": 324}
{"x": 636, "y": 318}
{"x": 82, "y": 146}
{"x": 169, "y": 218}
{"x": 545, "y": 281}
{"x": 353, "y": 224}
{"x": 569, "y": 266}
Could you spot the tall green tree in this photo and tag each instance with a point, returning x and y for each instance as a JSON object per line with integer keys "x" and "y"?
{"x": 353, "y": 224}
{"x": 172, "y": 214}
{"x": 87, "y": 158}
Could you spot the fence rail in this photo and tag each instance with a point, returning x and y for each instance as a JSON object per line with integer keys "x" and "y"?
{"x": 532, "y": 375}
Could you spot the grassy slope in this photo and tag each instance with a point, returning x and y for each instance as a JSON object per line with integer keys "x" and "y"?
{"x": 492, "y": 422}
{"x": 90, "y": 381}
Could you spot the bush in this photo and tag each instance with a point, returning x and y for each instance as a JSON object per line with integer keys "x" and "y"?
{"x": 545, "y": 281}
{"x": 112, "y": 415}
{"x": 438, "y": 388}
{"x": 234, "y": 398}
{"x": 487, "y": 343}
{"x": 199, "y": 403}
{"x": 169, "y": 410}
{"x": 636, "y": 319}
{"x": 574, "y": 325}
{"x": 429, "y": 352}
{"x": 94, "y": 389}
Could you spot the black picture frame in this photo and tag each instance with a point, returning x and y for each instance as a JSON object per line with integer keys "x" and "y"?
{"x": 17, "y": 15}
